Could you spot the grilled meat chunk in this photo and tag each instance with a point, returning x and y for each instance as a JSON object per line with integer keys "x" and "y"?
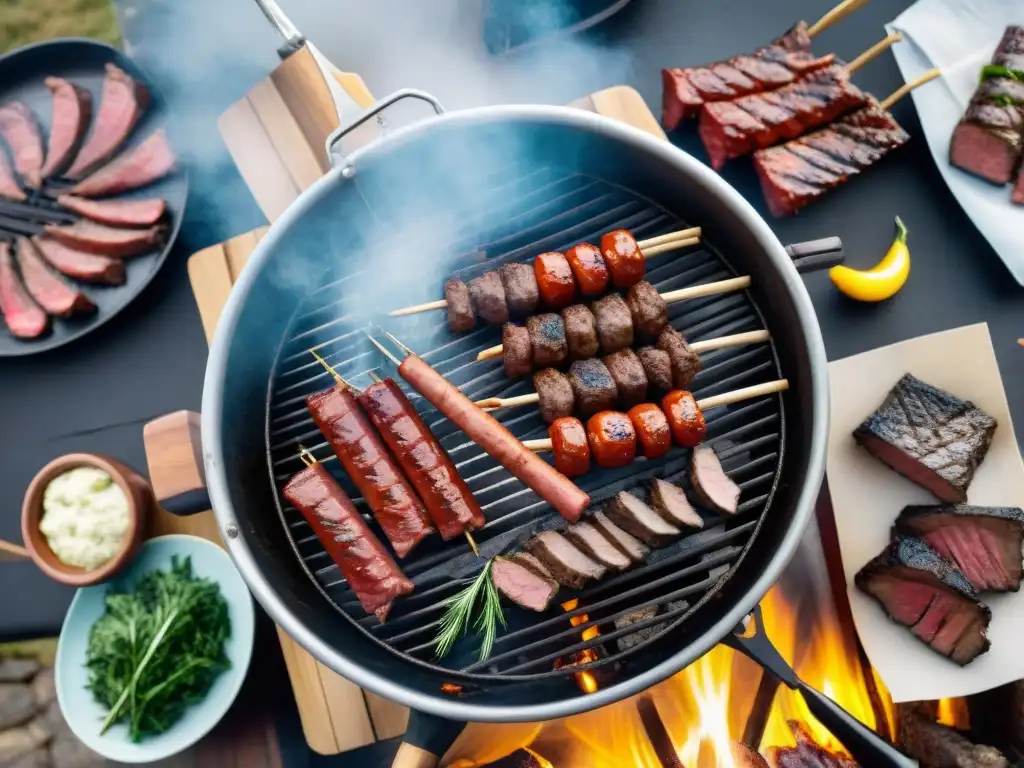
{"x": 588, "y": 269}
{"x": 516, "y": 351}
{"x": 612, "y": 439}
{"x": 714, "y": 489}
{"x": 488, "y": 298}
{"x": 652, "y": 430}
{"x": 591, "y": 542}
{"x": 649, "y": 310}
{"x": 72, "y": 111}
{"x": 8, "y": 184}
{"x": 930, "y": 436}
{"x": 521, "y": 585}
{"x": 50, "y": 292}
{"x": 626, "y": 543}
{"x": 531, "y": 563}
{"x": 614, "y": 323}
{"x": 122, "y": 102}
{"x": 580, "y": 331}
{"x": 521, "y": 291}
{"x": 989, "y": 139}
{"x": 671, "y": 503}
{"x": 684, "y": 361}
{"x": 117, "y": 213}
{"x": 136, "y": 167}
{"x": 921, "y": 590}
{"x": 592, "y": 386}
{"x": 638, "y": 519}
{"x": 87, "y": 267}
{"x": 570, "y": 567}
{"x": 571, "y": 446}
{"x": 107, "y": 241}
{"x": 628, "y": 374}
{"x": 547, "y": 337}
{"x": 20, "y": 129}
{"x": 24, "y": 318}
{"x": 461, "y": 317}
{"x": 554, "y": 279}
{"x": 554, "y": 393}
{"x": 658, "y": 368}
{"x": 984, "y": 542}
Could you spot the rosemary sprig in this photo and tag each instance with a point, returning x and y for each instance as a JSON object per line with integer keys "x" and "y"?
{"x": 460, "y": 613}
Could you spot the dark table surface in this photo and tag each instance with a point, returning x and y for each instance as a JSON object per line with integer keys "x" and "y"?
{"x": 95, "y": 395}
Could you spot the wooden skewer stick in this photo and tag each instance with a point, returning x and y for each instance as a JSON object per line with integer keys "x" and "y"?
{"x": 669, "y": 297}
{"x": 872, "y": 52}
{"x": 835, "y": 15}
{"x": 899, "y": 93}
{"x": 651, "y": 247}
{"x": 736, "y": 396}
{"x": 735, "y": 340}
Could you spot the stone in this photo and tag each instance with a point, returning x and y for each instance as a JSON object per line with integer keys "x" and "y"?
{"x": 52, "y": 719}
{"x": 18, "y": 742}
{"x": 43, "y": 687}
{"x": 68, "y": 752}
{"x": 17, "y": 670}
{"x": 38, "y": 758}
{"x": 17, "y": 704}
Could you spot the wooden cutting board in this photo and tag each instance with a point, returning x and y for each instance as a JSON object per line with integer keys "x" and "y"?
{"x": 278, "y": 148}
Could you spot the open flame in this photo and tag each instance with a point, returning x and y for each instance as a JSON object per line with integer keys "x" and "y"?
{"x": 585, "y": 680}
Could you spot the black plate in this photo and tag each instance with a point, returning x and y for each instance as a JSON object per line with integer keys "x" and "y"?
{"x": 82, "y": 61}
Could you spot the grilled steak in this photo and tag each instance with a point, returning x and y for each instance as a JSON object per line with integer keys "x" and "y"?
{"x": 684, "y": 361}
{"x": 929, "y": 436}
{"x": 570, "y": 567}
{"x": 547, "y": 337}
{"x": 628, "y": 374}
{"x": 107, "y": 241}
{"x": 461, "y": 317}
{"x": 989, "y": 139}
{"x": 20, "y": 129}
{"x": 521, "y": 291}
{"x": 638, "y": 519}
{"x": 626, "y": 543}
{"x": 921, "y": 590}
{"x": 984, "y": 542}
{"x": 516, "y": 350}
{"x": 531, "y": 563}
{"x": 8, "y": 184}
{"x": 554, "y": 394}
{"x": 488, "y": 297}
{"x": 614, "y": 323}
{"x": 713, "y": 487}
{"x": 1010, "y": 51}
{"x": 87, "y": 267}
{"x": 658, "y": 368}
{"x": 649, "y": 310}
{"x": 580, "y": 331}
{"x": 592, "y": 386}
{"x": 122, "y": 103}
{"x": 802, "y": 170}
{"x": 591, "y": 542}
{"x": 72, "y": 111}
{"x": 149, "y": 161}
{"x": 521, "y": 585}
{"x": 117, "y": 213}
{"x": 49, "y": 291}
{"x": 24, "y": 318}
{"x": 671, "y": 503}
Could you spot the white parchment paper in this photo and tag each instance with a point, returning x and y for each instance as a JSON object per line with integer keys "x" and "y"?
{"x": 959, "y": 37}
{"x": 867, "y": 496}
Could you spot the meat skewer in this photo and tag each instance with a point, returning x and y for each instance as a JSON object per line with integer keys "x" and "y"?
{"x": 617, "y": 315}
{"x": 72, "y": 111}
{"x": 484, "y": 430}
{"x": 578, "y": 387}
{"x": 20, "y": 129}
{"x": 553, "y": 278}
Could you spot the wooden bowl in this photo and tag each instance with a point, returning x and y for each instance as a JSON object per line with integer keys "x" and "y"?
{"x": 140, "y": 500}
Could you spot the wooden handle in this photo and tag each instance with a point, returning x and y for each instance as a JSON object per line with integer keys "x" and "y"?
{"x": 872, "y": 52}
{"x": 12, "y": 552}
{"x": 413, "y": 757}
{"x": 837, "y": 14}
{"x": 174, "y": 453}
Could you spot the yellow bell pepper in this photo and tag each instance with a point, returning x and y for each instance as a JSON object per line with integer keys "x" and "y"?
{"x": 884, "y": 279}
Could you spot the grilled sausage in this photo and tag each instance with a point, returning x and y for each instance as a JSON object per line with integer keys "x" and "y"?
{"x": 684, "y": 418}
{"x": 658, "y": 367}
{"x": 372, "y": 573}
{"x": 652, "y": 429}
{"x": 612, "y": 439}
{"x": 449, "y": 501}
{"x": 554, "y": 394}
{"x": 649, "y": 310}
{"x": 461, "y": 317}
{"x": 685, "y": 362}
{"x": 516, "y": 351}
{"x": 521, "y": 291}
{"x": 554, "y": 279}
{"x": 588, "y": 268}
{"x": 495, "y": 439}
{"x": 570, "y": 446}
{"x": 623, "y": 257}
{"x": 614, "y": 323}
{"x": 580, "y": 331}
{"x": 628, "y": 374}
{"x": 592, "y": 386}
{"x": 354, "y": 441}
{"x": 488, "y": 297}
{"x": 547, "y": 337}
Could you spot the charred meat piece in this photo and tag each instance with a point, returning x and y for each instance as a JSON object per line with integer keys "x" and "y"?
{"x": 547, "y": 337}
{"x": 591, "y": 542}
{"x": 91, "y": 237}
{"x": 531, "y": 563}
{"x": 714, "y": 489}
{"x": 8, "y": 184}
{"x": 117, "y": 213}
{"x": 72, "y": 111}
{"x": 521, "y": 585}
{"x": 136, "y": 167}
{"x": 930, "y": 436}
{"x": 685, "y": 363}
{"x": 626, "y": 543}
{"x": 20, "y": 129}
{"x": 554, "y": 279}
{"x": 671, "y": 503}
{"x": 570, "y": 446}
{"x": 614, "y": 323}
{"x": 554, "y": 394}
{"x": 623, "y": 257}
{"x": 921, "y": 590}
{"x": 1010, "y": 51}
{"x": 628, "y": 374}
{"x": 592, "y": 386}
{"x": 50, "y": 292}
{"x": 684, "y": 418}
{"x": 652, "y": 429}
{"x": 24, "y": 318}
{"x": 570, "y": 567}
{"x": 612, "y": 439}
{"x": 649, "y": 311}
{"x": 580, "y": 331}
{"x": 588, "y": 269}
{"x": 638, "y": 519}
{"x": 521, "y": 291}
{"x": 461, "y": 317}
{"x": 488, "y": 298}
{"x": 87, "y": 267}
{"x": 658, "y": 368}
{"x": 516, "y": 350}
{"x": 984, "y": 542}
{"x": 989, "y": 139}
{"x": 122, "y": 102}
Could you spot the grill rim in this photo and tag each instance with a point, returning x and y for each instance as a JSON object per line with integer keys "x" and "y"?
{"x": 661, "y": 152}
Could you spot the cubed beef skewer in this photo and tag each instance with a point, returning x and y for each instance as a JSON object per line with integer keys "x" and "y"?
{"x": 521, "y": 291}
{"x": 555, "y": 394}
{"x": 547, "y": 339}
{"x": 593, "y": 387}
{"x": 629, "y": 376}
{"x": 487, "y": 295}
{"x": 580, "y": 331}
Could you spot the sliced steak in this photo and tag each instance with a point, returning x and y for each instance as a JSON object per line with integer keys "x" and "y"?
{"x": 984, "y": 542}
{"x": 117, "y": 213}
{"x": 591, "y": 542}
{"x": 989, "y": 139}
{"x": 714, "y": 489}
{"x": 24, "y": 318}
{"x": 521, "y": 292}
{"x": 920, "y": 589}
{"x": 87, "y": 267}
{"x": 592, "y": 386}
{"x": 684, "y": 361}
{"x": 626, "y": 543}
{"x": 8, "y": 184}
{"x": 122, "y": 102}
{"x": 570, "y": 567}
{"x": 614, "y": 323}
{"x": 670, "y": 502}
{"x": 628, "y": 374}
{"x": 554, "y": 393}
{"x": 461, "y": 317}
{"x": 547, "y": 337}
{"x": 531, "y": 563}
{"x": 930, "y": 436}
{"x": 638, "y": 519}
{"x": 50, "y": 292}
{"x": 20, "y": 129}
{"x": 72, "y": 111}
{"x": 136, "y": 167}
{"x": 648, "y": 309}
{"x": 487, "y": 295}
{"x": 516, "y": 351}
{"x": 91, "y": 237}
{"x": 580, "y": 331}
{"x": 521, "y": 585}
{"x": 658, "y": 368}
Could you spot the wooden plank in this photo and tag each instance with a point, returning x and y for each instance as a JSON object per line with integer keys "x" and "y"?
{"x": 389, "y": 719}
{"x": 301, "y": 84}
{"x": 302, "y": 160}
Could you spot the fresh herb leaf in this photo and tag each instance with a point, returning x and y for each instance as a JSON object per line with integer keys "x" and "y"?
{"x": 1005, "y": 100}
{"x": 460, "y": 614}
{"x": 998, "y": 70}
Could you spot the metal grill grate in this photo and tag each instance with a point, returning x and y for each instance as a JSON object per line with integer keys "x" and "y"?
{"x": 549, "y": 209}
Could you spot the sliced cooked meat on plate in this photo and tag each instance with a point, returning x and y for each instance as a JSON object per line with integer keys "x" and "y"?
{"x": 117, "y": 213}
{"x": 984, "y": 542}
{"x": 569, "y": 567}
{"x": 24, "y": 318}
{"x": 521, "y": 585}
{"x": 87, "y": 267}
{"x": 20, "y": 130}
{"x": 122, "y": 102}
{"x": 51, "y": 292}
{"x": 69, "y": 120}
{"x": 151, "y": 160}
{"x": 671, "y": 503}
{"x": 920, "y": 589}
{"x": 713, "y": 487}
{"x": 107, "y": 241}
{"x": 9, "y": 187}
{"x": 989, "y": 139}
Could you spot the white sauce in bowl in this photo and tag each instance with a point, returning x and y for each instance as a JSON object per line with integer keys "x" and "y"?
{"x": 85, "y": 517}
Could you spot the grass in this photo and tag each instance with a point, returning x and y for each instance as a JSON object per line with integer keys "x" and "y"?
{"x": 26, "y": 21}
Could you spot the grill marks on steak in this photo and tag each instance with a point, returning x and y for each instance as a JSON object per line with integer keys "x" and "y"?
{"x": 91, "y": 237}
{"x": 117, "y": 213}
{"x": 50, "y": 292}
{"x": 87, "y": 267}
{"x": 20, "y": 129}
{"x": 151, "y": 160}
{"x": 70, "y": 116}
{"x": 521, "y": 585}
{"x": 24, "y": 318}
{"x": 930, "y": 436}
{"x": 918, "y": 588}
{"x": 122, "y": 102}
{"x": 984, "y": 542}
